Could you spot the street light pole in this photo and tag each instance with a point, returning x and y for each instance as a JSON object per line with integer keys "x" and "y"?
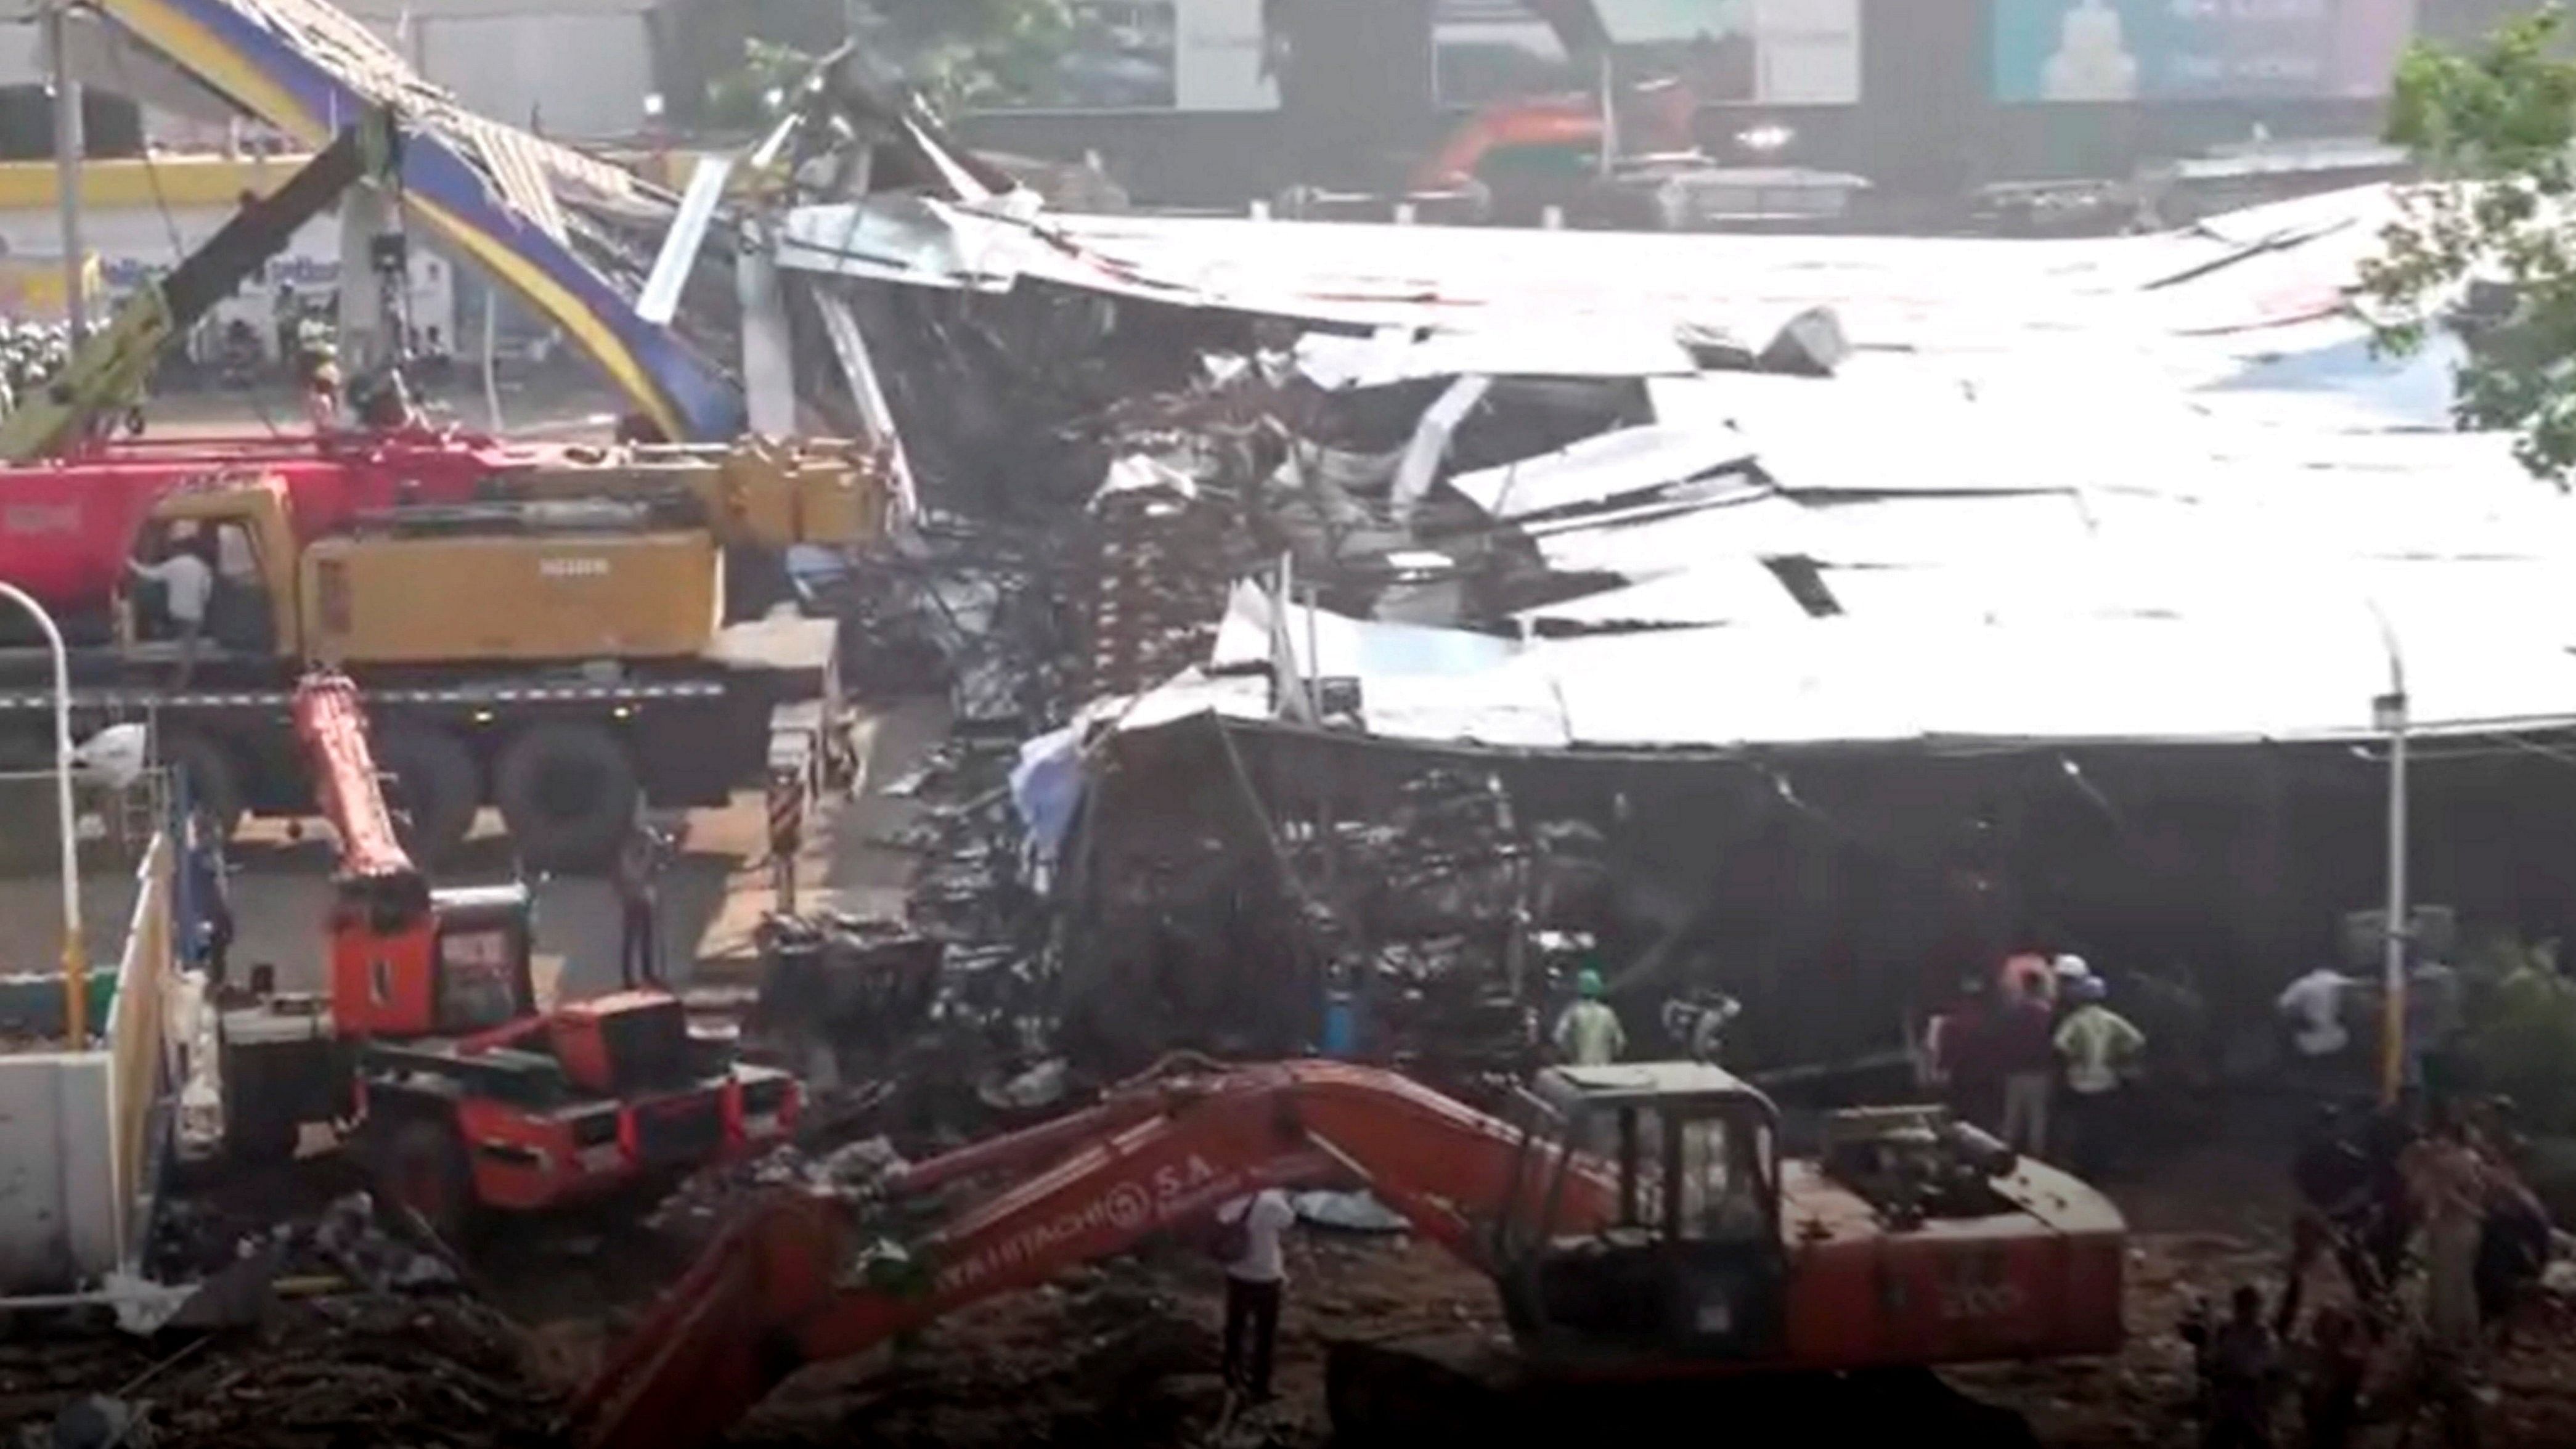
{"x": 2389, "y": 714}
{"x": 71, "y": 147}
{"x": 75, "y": 952}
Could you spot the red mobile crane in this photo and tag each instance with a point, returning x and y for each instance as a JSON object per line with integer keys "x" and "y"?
{"x": 465, "y": 1094}
{"x": 1639, "y": 1225}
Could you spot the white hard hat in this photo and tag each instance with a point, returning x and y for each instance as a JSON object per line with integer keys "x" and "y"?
{"x": 2071, "y": 967}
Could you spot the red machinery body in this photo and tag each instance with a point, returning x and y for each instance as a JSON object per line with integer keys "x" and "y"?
{"x": 467, "y": 1094}
{"x": 384, "y": 926}
{"x": 67, "y": 525}
{"x": 1659, "y": 121}
{"x": 2036, "y": 1274}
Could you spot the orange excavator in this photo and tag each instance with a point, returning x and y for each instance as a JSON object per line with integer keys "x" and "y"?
{"x": 1638, "y": 1221}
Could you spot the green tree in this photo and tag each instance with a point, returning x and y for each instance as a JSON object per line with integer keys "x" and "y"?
{"x": 959, "y": 54}
{"x": 2492, "y": 128}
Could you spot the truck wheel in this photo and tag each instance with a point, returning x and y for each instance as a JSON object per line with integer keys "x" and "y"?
{"x": 419, "y": 1163}
{"x": 214, "y": 784}
{"x": 438, "y": 788}
{"x": 569, "y": 794}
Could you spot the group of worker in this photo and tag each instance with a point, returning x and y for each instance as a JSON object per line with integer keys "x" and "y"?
{"x": 2427, "y": 1182}
{"x": 2035, "y": 1054}
{"x": 30, "y": 354}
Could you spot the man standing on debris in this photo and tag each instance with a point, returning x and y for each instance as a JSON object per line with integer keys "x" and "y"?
{"x": 2332, "y": 1370}
{"x": 2099, "y": 1046}
{"x": 2240, "y": 1367}
{"x": 1249, "y": 1233}
{"x": 1965, "y": 1046}
{"x": 1589, "y": 1034}
{"x": 2311, "y": 1009}
{"x": 638, "y": 862}
{"x": 2023, "y": 1031}
{"x": 2448, "y": 1184}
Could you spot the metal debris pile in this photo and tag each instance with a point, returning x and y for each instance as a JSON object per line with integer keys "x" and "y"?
{"x": 1166, "y": 559}
{"x": 324, "y": 1331}
{"x": 966, "y": 606}
{"x": 857, "y": 1173}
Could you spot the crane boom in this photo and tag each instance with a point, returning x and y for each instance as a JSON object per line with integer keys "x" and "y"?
{"x": 107, "y": 369}
{"x": 331, "y": 723}
{"x": 775, "y": 1293}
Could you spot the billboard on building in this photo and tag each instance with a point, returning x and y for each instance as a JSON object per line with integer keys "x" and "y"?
{"x": 2163, "y": 50}
{"x": 1162, "y": 55}
{"x": 1729, "y": 52}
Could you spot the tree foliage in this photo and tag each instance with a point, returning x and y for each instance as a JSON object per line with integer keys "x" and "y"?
{"x": 966, "y": 53}
{"x": 958, "y": 54}
{"x": 2492, "y": 227}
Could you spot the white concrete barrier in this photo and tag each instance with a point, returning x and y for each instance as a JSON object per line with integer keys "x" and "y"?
{"x": 60, "y": 1220}
{"x": 77, "y": 1127}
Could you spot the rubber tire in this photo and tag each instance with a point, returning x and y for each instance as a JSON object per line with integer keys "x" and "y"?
{"x": 419, "y": 1162}
{"x": 439, "y": 788}
{"x": 547, "y": 835}
{"x": 214, "y": 781}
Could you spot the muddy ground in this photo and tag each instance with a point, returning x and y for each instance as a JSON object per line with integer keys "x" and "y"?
{"x": 1120, "y": 1354}
{"x": 1124, "y": 1354}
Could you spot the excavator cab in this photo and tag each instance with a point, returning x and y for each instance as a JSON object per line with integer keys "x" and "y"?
{"x": 1687, "y": 1264}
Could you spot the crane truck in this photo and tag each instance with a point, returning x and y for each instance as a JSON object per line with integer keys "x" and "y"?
{"x": 1639, "y": 1222}
{"x": 544, "y": 629}
{"x": 462, "y": 1094}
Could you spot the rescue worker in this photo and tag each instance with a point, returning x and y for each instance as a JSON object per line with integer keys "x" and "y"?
{"x": 1250, "y": 1230}
{"x": 2513, "y": 1244}
{"x": 2448, "y": 1185}
{"x": 186, "y": 575}
{"x": 638, "y": 867}
{"x": 2311, "y": 1014}
{"x": 2340, "y": 1205}
{"x": 1965, "y": 1044}
{"x": 2024, "y": 1041}
{"x": 1589, "y": 1034}
{"x": 2240, "y": 1366}
{"x": 322, "y": 389}
{"x": 2099, "y": 1046}
{"x": 2330, "y": 1380}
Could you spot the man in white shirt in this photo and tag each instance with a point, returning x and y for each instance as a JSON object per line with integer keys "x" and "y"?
{"x": 1253, "y": 1279}
{"x": 2312, "y": 1008}
{"x": 187, "y": 580}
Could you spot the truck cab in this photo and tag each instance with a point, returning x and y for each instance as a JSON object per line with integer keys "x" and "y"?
{"x": 252, "y": 613}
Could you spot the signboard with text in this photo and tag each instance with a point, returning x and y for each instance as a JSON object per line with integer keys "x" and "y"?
{"x": 2167, "y": 50}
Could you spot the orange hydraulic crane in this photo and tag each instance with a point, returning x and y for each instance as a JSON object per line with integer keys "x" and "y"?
{"x": 1638, "y": 1225}
{"x": 463, "y": 1094}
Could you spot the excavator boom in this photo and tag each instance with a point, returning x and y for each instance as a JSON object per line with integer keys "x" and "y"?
{"x": 1642, "y": 1225}
{"x": 784, "y": 1285}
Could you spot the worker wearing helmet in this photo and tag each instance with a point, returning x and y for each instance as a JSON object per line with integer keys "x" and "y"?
{"x": 1589, "y": 1034}
{"x": 2101, "y": 1049}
